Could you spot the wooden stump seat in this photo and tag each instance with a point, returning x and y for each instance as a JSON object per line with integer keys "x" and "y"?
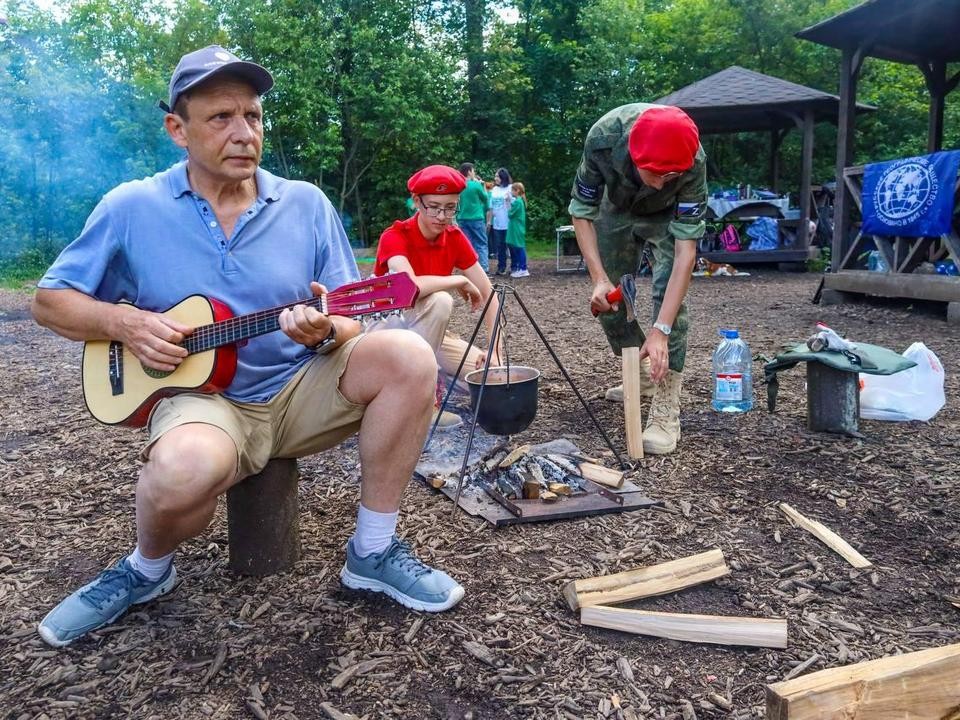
{"x": 263, "y": 520}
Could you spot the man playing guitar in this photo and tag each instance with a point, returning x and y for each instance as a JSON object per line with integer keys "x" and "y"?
{"x": 218, "y": 225}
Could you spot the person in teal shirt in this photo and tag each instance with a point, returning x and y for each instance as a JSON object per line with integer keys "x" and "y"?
{"x": 411, "y": 208}
{"x": 517, "y": 232}
{"x": 472, "y": 213}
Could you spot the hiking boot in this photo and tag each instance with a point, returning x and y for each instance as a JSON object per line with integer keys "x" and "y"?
{"x": 663, "y": 425}
{"x": 397, "y": 573}
{"x": 102, "y": 601}
{"x": 647, "y": 388}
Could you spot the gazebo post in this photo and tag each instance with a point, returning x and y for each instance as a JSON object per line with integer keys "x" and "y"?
{"x": 776, "y": 140}
{"x": 936, "y": 76}
{"x": 849, "y": 74}
{"x": 806, "y": 173}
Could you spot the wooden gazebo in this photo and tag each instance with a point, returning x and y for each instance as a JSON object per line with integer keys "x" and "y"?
{"x": 922, "y": 33}
{"x": 740, "y": 100}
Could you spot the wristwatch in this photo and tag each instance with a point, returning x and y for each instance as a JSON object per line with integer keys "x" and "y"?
{"x": 662, "y": 327}
{"x": 327, "y": 344}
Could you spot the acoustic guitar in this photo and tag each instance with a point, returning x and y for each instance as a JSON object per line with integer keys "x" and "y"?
{"x": 120, "y": 390}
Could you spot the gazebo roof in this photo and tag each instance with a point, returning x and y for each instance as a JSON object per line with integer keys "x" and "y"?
{"x": 906, "y": 31}
{"x": 741, "y": 100}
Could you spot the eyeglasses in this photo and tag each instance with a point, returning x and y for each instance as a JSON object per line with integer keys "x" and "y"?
{"x": 436, "y": 211}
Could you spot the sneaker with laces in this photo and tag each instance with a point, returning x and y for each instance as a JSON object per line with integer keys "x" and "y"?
{"x": 102, "y": 601}
{"x": 399, "y": 574}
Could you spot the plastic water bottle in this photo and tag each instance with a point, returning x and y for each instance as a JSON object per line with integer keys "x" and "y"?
{"x": 732, "y": 375}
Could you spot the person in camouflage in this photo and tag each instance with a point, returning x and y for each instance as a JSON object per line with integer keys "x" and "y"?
{"x": 642, "y": 182}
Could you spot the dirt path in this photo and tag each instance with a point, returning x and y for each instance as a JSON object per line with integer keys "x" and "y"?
{"x": 223, "y": 647}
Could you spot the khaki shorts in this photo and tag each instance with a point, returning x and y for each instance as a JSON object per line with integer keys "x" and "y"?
{"x": 308, "y": 415}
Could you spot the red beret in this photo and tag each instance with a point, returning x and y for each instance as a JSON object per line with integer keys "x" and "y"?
{"x": 436, "y": 180}
{"x": 663, "y": 140}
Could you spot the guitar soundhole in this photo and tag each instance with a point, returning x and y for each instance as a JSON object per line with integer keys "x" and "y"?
{"x": 155, "y": 374}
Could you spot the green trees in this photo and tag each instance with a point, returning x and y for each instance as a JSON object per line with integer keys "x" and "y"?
{"x": 369, "y": 90}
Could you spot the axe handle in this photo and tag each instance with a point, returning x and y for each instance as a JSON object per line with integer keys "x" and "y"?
{"x": 614, "y": 296}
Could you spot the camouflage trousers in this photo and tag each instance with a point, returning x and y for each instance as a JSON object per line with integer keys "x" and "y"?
{"x": 621, "y": 239}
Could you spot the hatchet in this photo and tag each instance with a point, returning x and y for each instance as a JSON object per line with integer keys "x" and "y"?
{"x": 625, "y": 292}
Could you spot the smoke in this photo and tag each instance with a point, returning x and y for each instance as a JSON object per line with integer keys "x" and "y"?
{"x": 69, "y": 131}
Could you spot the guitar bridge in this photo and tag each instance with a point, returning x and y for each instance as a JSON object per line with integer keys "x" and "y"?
{"x": 115, "y": 367}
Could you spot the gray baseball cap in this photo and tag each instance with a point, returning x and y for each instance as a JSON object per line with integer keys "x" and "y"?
{"x": 203, "y": 64}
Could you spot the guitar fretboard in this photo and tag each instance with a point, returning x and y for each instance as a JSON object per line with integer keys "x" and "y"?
{"x": 243, "y": 327}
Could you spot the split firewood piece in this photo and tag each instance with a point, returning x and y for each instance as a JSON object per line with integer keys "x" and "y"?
{"x": 436, "y": 482}
{"x": 531, "y": 490}
{"x": 919, "y": 685}
{"x": 827, "y": 536}
{"x": 514, "y": 455}
{"x": 646, "y": 581}
{"x": 602, "y": 475}
{"x": 548, "y": 497}
{"x": 715, "y": 629}
{"x": 560, "y": 489}
{"x": 633, "y": 421}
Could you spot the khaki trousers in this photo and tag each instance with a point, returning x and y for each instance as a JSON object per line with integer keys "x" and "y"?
{"x": 429, "y": 318}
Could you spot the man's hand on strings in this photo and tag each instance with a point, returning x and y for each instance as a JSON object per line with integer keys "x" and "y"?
{"x": 305, "y": 324}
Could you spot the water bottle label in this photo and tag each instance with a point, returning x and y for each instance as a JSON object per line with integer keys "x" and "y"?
{"x": 729, "y": 387}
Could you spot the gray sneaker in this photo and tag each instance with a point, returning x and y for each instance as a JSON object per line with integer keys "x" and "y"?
{"x": 102, "y": 601}
{"x": 400, "y": 575}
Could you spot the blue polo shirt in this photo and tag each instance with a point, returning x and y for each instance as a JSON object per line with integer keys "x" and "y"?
{"x": 153, "y": 242}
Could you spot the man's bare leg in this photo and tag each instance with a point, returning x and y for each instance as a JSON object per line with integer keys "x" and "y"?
{"x": 394, "y": 372}
{"x": 188, "y": 469}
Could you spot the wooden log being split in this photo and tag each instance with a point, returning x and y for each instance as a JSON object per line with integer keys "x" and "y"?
{"x": 647, "y": 581}
{"x": 922, "y": 685}
{"x": 631, "y": 401}
{"x": 827, "y": 537}
{"x": 602, "y": 475}
{"x": 715, "y": 629}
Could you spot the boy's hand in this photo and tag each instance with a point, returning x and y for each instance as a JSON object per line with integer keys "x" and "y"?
{"x": 469, "y": 292}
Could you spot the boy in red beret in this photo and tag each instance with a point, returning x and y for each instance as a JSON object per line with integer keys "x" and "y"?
{"x": 428, "y": 247}
{"x": 642, "y": 180}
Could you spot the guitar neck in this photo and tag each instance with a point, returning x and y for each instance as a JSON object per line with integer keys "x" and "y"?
{"x": 244, "y": 327}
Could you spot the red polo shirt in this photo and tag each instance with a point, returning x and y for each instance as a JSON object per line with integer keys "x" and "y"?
{"x": 451, "y": 249}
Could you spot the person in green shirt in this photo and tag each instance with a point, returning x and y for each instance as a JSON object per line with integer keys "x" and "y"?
{"x": 517, "y": 232}
{"x": 472, "y": 213}
{"x": 411, "y": 208}
{"x": 642, "y": 182}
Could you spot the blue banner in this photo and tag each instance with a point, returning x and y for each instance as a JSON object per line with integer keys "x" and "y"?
{"x": 912, "y": 197}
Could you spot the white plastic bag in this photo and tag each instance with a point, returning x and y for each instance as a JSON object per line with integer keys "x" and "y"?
{"x": 912, "y": 394}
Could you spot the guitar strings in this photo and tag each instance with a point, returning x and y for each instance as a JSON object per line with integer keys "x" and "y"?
{"x": 223, "y": 332}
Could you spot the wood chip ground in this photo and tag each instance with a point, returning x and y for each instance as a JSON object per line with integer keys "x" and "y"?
{"x": 300, "y": 646}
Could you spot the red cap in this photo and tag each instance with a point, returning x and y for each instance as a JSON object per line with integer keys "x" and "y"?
{"x": 663, "y": 140}
{"x": 436, "y": 180}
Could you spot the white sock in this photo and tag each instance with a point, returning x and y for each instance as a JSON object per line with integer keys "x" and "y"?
{"x": 374, "y": 531}
{"x": 150, "y": 568}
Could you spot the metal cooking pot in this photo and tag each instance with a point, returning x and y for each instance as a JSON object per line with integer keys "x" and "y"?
{"x": 509, "y": 398}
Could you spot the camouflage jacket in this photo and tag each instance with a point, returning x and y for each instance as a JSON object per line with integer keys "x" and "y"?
{"x": 607, "y": 171}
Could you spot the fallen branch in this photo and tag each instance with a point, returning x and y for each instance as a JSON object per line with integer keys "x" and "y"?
{"x": 715, "y": 629}
{"x": 827, "y": 537}
{"x": 646, "y": 582}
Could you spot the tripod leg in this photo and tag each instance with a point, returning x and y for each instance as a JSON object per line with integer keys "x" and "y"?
{"x": 446, "y": 395}
{"x": 501, "y": 292}
{"x": 563, "y": 370}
